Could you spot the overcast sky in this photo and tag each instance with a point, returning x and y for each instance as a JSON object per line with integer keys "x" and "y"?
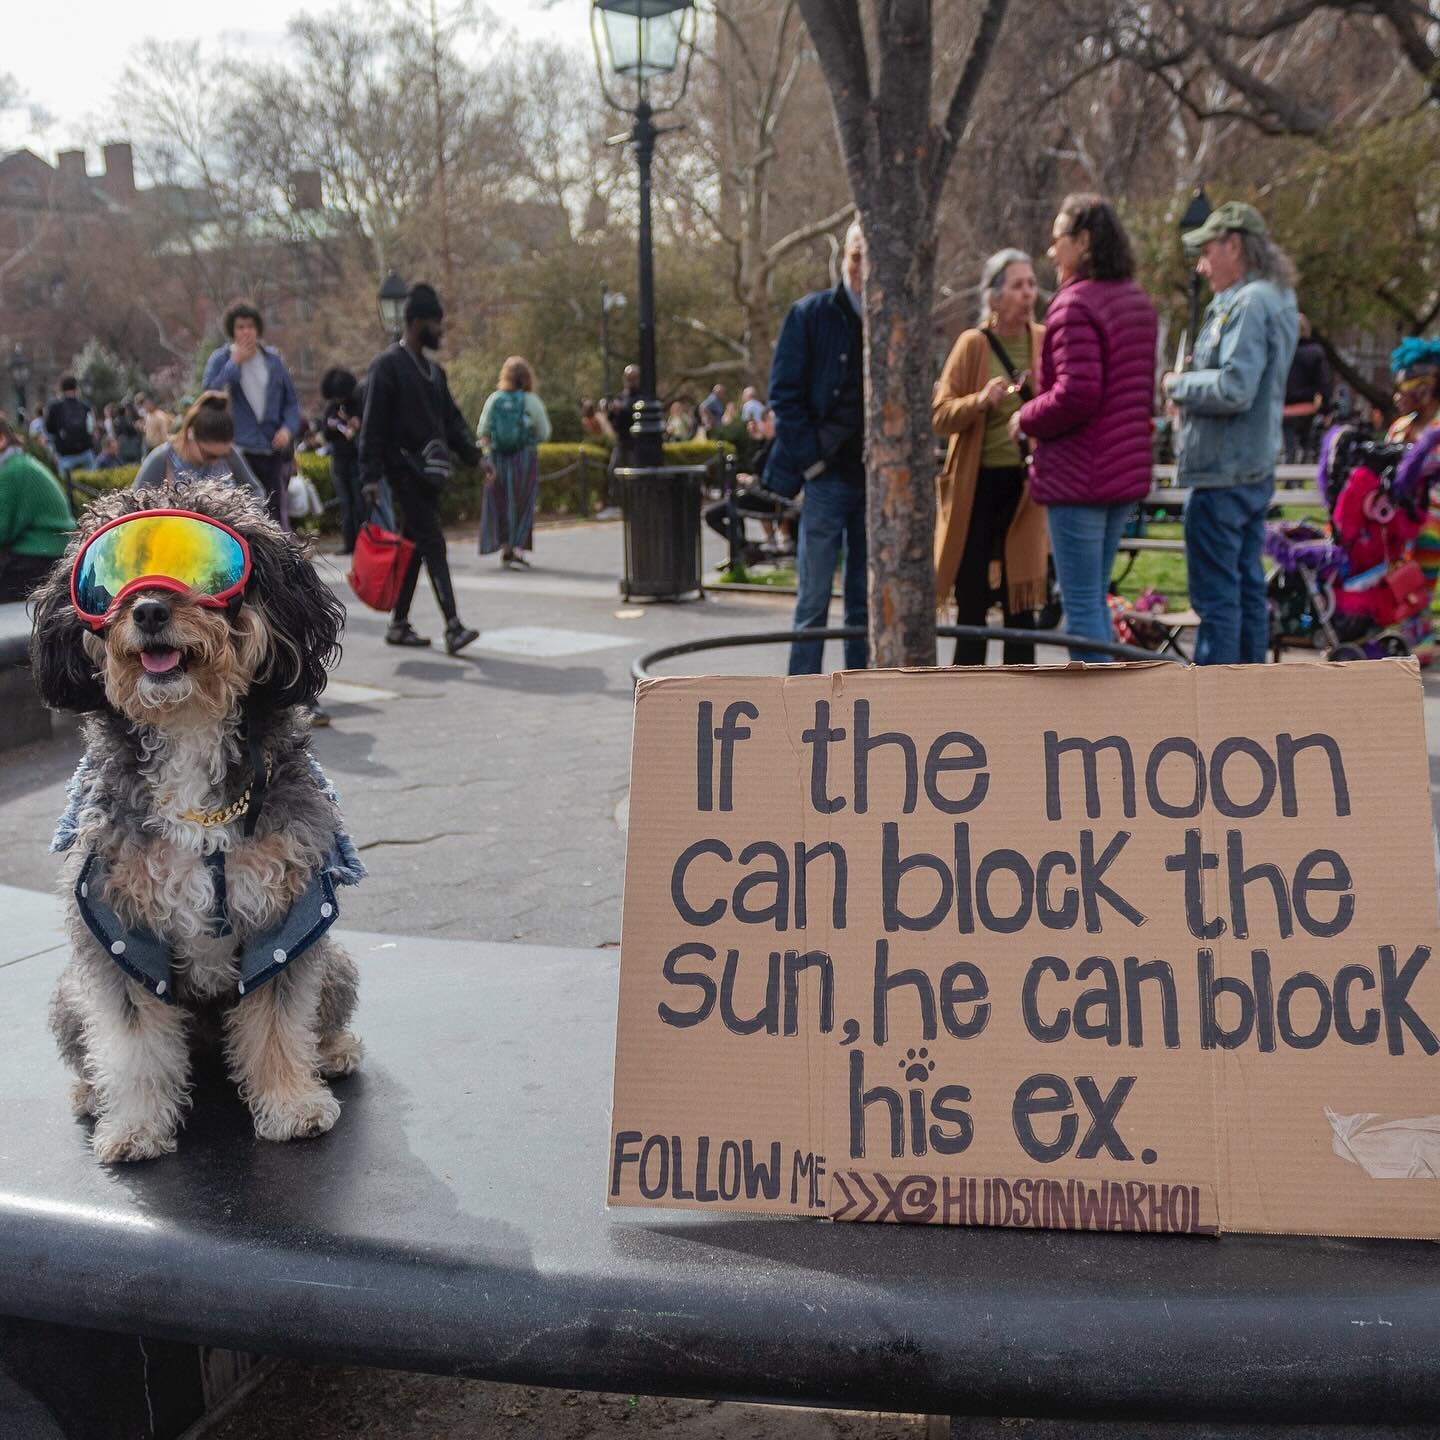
{"x": 67, "y": 58}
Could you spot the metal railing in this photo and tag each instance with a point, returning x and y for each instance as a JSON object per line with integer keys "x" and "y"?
{"x": 640, "y": 670}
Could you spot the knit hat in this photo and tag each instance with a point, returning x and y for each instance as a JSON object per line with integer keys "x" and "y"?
{"x": 423, "y": 303}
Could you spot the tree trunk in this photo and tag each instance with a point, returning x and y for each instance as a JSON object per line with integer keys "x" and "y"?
{"x": 897, "y": 159}
{"x": 899, "y": 454}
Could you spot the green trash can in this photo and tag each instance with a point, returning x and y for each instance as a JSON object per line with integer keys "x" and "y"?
{"x": 662, "y": 530}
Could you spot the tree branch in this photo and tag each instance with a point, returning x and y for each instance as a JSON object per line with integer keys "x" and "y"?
{"x": 710, "y": 333}
{"x": 799, "y": 236}
{"x": 957, "y": 113}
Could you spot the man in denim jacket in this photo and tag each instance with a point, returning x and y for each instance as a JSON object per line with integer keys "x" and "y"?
{"x": 1231, "y": 402}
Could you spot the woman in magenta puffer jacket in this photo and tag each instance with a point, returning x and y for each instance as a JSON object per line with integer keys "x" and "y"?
{"x": 1090, "y": 419}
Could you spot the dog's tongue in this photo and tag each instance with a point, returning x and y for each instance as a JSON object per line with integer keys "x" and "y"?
{"x": 157, "y": 662}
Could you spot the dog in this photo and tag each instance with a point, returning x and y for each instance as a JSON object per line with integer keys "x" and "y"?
{"x": 203, "y": 842}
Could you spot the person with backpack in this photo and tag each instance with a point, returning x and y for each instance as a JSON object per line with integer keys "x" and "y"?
{"x": 71, "y": 428}
{"x": 512, "y": 424}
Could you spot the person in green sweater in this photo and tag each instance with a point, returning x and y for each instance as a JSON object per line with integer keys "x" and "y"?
{"x": 35, "y": 518}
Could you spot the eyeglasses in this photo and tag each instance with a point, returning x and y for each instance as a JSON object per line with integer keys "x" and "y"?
{"x": 162, "y": 550}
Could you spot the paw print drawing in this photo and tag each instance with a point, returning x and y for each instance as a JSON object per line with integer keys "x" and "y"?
{"x": 917, "y": 1065}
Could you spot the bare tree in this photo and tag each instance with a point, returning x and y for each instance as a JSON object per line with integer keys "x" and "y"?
{"x": 1246, "y": 58}
{"x": 758, "y": 170}
{"x": 897, "y": 153}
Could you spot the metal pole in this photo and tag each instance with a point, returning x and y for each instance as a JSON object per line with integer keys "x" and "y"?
{"x": 649, "y": 424}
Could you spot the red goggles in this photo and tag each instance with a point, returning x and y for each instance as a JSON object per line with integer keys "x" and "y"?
{"x": 158, "y": 550}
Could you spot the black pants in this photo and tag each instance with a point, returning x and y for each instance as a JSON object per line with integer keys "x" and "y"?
{"x": 997, "y": 496}
{"x": 420, "y": 523}
{"x": 345, "y": 476}
{"x": 272, "y": 471}
{"x": 20, "y": 574}
{"x": 766, "y": 507}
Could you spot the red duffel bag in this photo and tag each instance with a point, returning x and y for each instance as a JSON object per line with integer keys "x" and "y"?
{"x": 378, "y": 566}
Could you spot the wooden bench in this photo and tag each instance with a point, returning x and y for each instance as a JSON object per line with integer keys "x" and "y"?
{"x": 454, "y": 1222}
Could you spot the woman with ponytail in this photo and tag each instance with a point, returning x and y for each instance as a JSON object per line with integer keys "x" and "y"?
{"x": 203, "y": 448}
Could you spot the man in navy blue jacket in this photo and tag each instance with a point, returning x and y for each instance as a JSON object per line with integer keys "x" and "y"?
{"x": 262, "y": 399}
{"x": 817, "y": 391}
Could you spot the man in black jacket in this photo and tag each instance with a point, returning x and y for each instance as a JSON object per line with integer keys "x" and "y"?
{"x": 71, "y": 428}
{"x": 410, "y": 427}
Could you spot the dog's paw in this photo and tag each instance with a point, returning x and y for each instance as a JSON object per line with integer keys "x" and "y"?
{"x": 119, "y": 1144}
{"x": 341, "y": 1055}
{"x": 83, "y": 1100}
{"x": 307, "y": 1115}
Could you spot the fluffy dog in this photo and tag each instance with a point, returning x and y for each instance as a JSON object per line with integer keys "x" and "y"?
{"x": 205, "y": 843}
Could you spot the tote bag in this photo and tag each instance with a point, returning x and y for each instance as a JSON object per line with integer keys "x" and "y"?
{"x": 378, "y": 566}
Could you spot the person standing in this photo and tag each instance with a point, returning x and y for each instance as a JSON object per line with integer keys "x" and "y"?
{"x": 985, "y": 510}
{"x": 410, "y": 427}
{"x": 1309, "y": 389}
{"x": 71, "y": 427}
{"x": 1231, "y": 402}
{"x": 513, "y": 423}
{"x": 1091, "y": 415}
{"x": 341, "y": 429}
{"x": 817, "y": 390}
{"x": 620, "y": 411}
{"x": 35, "y": 518}
{"x": 263, "y": 399}
{"x": 1415, "y": 364}
{"x": 711, "y": 413}
{"x": 203, "y": 448}
{"x": 752, "y": 408}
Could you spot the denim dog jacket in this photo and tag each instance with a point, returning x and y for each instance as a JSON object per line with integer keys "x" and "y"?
{"x": 144, "y": 957}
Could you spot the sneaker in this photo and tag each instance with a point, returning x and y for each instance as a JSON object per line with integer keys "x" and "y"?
{"x": 403, "y": 633}
{"x": 457, "y": 636}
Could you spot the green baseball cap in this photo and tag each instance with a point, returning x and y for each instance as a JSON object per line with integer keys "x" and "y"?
{"x": 1232, "y": 215}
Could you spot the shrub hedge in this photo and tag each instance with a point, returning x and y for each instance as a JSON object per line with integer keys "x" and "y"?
{"x": 572, "y": 480}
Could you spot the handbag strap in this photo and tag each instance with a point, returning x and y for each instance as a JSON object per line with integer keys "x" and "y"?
{"x": 1003, "y": 356}
{"x": 1026, "y": 394}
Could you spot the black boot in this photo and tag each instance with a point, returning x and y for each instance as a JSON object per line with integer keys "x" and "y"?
{"x": 458, "y": 635}
{"x": 402, "y": 632}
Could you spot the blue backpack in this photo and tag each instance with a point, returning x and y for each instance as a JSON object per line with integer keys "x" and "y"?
{"x": 509, "y": 424}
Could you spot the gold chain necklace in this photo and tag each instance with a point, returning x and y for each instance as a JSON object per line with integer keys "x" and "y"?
{"x": 226, "y": 813}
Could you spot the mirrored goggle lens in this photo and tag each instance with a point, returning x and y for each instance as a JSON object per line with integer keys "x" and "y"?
{"x": 184, "y": 549}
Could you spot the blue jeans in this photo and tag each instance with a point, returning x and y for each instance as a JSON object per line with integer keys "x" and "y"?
{"x": 83, "y": 461}
{"x": 1085, "y": 540}
{"x": 1224, "y": 541}
{"x": 832, "y": 518}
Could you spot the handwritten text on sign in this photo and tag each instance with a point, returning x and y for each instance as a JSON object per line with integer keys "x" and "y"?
{"x": 924, "y": 950}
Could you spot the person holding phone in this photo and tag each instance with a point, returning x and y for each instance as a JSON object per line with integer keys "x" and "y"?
{"x": 985, "y": 512}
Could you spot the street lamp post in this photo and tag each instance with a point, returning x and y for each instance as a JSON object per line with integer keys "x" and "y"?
{"x": 20, "y": 377}
{"x": 1196, "y": 214}
{"x": 644, "y": 39}
{"x": 391, "y": 300}
{"x": 609, "y": 300}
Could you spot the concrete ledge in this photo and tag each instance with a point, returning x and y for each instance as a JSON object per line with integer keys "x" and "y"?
{"x": 22, "y": 717}
{"x": 454, "y": 1221}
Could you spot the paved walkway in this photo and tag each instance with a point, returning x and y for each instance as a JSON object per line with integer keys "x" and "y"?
{"x": 472, "y": 784}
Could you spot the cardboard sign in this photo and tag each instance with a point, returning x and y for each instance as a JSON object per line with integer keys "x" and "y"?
{"x": 1138, "y": 948}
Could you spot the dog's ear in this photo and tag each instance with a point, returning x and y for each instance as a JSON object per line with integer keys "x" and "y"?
{"x": 64, "y": 673}
{"x": 304, "y": 618}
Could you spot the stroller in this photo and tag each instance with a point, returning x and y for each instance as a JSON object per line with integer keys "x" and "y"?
{"x": 1354, "y": 588}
